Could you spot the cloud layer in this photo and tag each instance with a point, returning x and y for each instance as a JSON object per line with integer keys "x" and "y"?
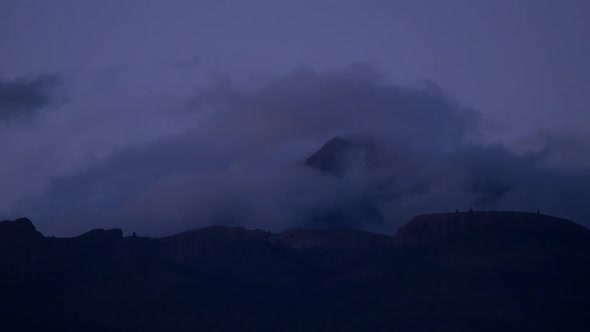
{"x": 242, "y": 163}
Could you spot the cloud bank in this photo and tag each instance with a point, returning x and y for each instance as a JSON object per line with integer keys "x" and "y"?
{"x": 242, "y": 163}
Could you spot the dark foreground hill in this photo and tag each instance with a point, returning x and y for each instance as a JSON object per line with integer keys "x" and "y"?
{"x": 475, "y": 271}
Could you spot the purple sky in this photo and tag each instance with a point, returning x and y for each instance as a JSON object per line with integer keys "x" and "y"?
{"x": 85, "y": 83}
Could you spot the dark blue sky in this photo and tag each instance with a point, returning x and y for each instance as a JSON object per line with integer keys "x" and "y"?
{"x": 82, "y": 82}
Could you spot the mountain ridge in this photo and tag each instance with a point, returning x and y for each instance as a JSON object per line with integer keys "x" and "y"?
{"x": 420, "y": 229}
{"x": 440, "y": 272}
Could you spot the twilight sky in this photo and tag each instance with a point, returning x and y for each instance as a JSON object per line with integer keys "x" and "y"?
{"x": 158, "y": 116}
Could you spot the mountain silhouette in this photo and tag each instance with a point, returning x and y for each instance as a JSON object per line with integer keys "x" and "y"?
{"x": 340, "y": 155}
{"x": 343, "y": 158}
{"x": 468, "y": 271}
{"x": 535, "y": 231}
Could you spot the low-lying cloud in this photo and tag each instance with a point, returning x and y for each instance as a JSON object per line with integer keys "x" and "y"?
{"x": 243, "y": 163}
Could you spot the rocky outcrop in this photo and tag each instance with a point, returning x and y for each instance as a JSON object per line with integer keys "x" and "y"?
{"x": 487, "y": 228}
{"x": 18, "y": 229}
{"x": 20, "y": 243}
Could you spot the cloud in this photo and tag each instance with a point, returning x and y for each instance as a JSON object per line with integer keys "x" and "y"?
{"x": 561, "y": 149}
{"x": 243, "y": 163}
{"x": 307, "y": 108}
{"x": 23, "y": 97}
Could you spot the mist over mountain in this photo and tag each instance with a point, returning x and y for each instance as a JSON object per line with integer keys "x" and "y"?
{"x": 294, "y": 165}
{"x": 339, "y": 156}
{"x": 343, "y": 149}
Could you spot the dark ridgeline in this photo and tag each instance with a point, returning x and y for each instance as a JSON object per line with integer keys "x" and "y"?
{"x": 472, "y": 271}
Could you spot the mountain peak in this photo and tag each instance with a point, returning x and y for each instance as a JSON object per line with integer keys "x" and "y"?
{"x": 338, "y": 155}
{"x": 18, "y": 227}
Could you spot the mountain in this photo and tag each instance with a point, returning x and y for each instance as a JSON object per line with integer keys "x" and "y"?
{"x": 18, "y": 231}
{"x": 468, "y": 271}
{"x": 344, "y": 158}
{"x": 496, "y": 228}
{"x": 339, "y": 156}
{"x": 19, "y": 240}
